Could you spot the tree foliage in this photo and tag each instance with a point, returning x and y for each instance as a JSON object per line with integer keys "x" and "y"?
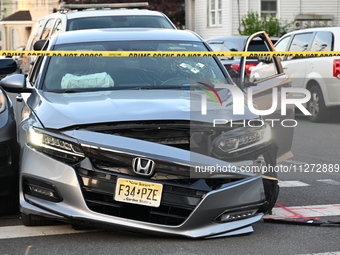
{"x": 252, "y": 22}
{"x": 174, "y": 9}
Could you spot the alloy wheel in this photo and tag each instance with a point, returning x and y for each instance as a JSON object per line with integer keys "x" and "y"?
{"x": 314, "y": 104}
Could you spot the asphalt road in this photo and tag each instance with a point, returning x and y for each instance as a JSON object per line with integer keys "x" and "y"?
{"x": 313, "y": 144}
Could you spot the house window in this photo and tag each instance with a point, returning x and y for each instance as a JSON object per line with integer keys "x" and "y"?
{"x": 215, "y": 13}
{"x": 269, "y": 7}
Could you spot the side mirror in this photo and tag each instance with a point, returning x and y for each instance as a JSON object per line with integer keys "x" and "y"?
{"x": 15, "y": 83}
{"x": 39, "y": 45}
{"x": 7, "y": 66}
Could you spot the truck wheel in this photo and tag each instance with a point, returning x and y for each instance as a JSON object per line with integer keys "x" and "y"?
{"x": 317, "y": 107}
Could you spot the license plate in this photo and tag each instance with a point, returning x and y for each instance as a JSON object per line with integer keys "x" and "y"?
{"x": 138, "y": 192}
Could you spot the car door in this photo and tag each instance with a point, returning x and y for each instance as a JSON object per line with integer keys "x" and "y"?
{"x": 265, "y": 91}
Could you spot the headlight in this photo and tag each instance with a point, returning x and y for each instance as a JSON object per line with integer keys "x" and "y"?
{"x": 2, "y": 101}
{"x": 55, "y": 147}
{"x": 244, "y": 141}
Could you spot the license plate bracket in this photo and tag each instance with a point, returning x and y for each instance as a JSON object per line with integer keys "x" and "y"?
{"x": 138, "y": 192}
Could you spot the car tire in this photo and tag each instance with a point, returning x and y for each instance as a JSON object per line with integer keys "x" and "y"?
{"x": 270, "y": 182}
{"x": 35, "y": 220}
{"x": 271, "y": 190}
{"x": 317, "y": 107}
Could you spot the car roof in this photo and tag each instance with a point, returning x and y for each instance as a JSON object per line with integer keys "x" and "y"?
{"x": 108, "y": 12}
{"x": 315, "y": 29}
{"x": 115, "y": 12}
{"x": 240, "y": 41}
{"x": 124, "y": 34}
{"x": 227, "y": 38}
{"x": 240, "y": 38}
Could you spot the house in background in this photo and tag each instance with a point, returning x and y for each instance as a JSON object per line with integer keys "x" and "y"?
{"x": 212, "y": 18}
{"x": 6, "y": 9}
{"x": 16, "y": 26}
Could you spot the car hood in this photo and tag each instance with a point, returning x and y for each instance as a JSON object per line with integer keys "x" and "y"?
{"x": 62, "y": 110}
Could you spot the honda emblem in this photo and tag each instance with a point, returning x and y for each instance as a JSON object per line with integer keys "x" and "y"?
{"x": 143, "y": 166}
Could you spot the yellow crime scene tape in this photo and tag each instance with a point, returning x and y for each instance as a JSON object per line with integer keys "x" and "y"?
{"x": 171, "y": 53}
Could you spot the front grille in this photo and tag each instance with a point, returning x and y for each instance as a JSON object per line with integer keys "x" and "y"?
{"x": 178, "y": 200}
{"x": 171, "y": 133}
{"x": 5, "y": 155}
{"x": 121, "y": 163}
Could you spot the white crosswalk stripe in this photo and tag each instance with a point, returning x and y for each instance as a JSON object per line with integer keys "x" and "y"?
{"x": 287, "y": 184}
{"x": 329, "y": 181}
{"x": 23, "y": 231}
{"x": 294, "y": 162}
{"x": 323, "y": 253}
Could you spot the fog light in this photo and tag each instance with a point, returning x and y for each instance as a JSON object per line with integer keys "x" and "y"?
{"x": 40, "y": 189}
{"x": 231, "y": 216}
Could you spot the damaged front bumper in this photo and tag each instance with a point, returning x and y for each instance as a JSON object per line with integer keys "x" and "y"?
{"x": 215, "y": 205}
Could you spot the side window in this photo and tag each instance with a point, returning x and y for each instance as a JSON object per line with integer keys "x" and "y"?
{"x": 262, "y": 68}
{"x": 230, "y": 46}
{"x": 268, "y": 69}
{"x": 301, "y": 42}
{"x": 34, "y": 72}
{"x": 57, "y": 26}
{"x": 282, "y": 45}
{"x": 47, "y": 29}
{"x": 34, "y": 35}
{"x": 323, "y": 41}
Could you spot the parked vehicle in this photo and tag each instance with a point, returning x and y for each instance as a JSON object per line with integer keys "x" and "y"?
{"x": 237, "y": 43}
{"x": 92, "y": 16}
{"x": 122, "y": 141}
{"x": 9, "y": 150}
{"x": 320, "y": 75}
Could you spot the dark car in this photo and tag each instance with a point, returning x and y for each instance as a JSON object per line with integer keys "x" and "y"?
{"x": 122, "y": 141}
{"x": 237, "y": 43}
{"x": 9, "y": 150}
